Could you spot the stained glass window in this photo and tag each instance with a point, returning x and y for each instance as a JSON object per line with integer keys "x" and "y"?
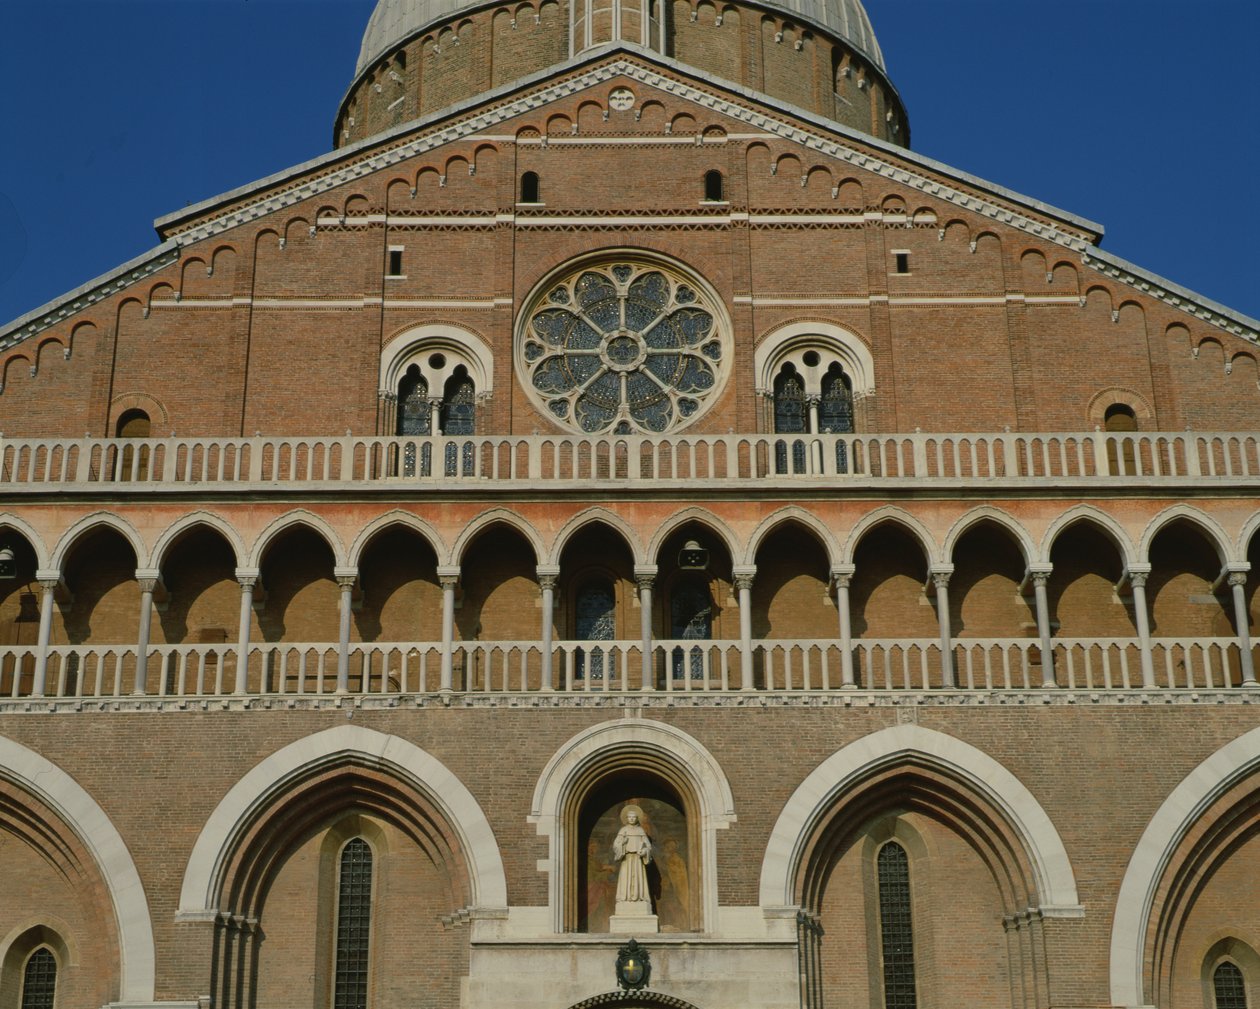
{"x": 39, "y": 980}
{"x": 625, "y": 348}
{"x": 691, "y": 619}
{"x": 791, "y": 416}
{"x": 595, "y": 621}
{"x": 896, "y": 936}
{"x": 414, "y": 413}
{"x": 459, "y": 405}
{"x": 1228, "y": 987}
{"x": 835, "y": 409}
{"x": 354, "y": 919}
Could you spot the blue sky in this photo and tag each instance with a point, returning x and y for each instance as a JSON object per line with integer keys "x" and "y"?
{"x": 1143, "y": 115}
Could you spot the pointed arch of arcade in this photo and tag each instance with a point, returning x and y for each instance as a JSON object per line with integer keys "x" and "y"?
{"x": 55, "y": 788}
{"x": 33, "y": 538}
{"x": 1052, "y": 876}
{"x": 892, "y": 515}
{"x": 299, "y": 517}
{"x": 999, "y": 518}
{"x": 1207, "y": 525}
{"x": 589, "y": 517}
{"x": 1245, "y": 537}
{"x": 194, "y": 520}
{"x": 702, "y": 517}
{"x": 644, "y": 744}
{"x": 90, "y": 523}
{"x": 1175, "y": 818}
{"x": 395, "y": 519}
{"x": 787, "y": 516}
{"x": 497, "y": 516}
{"x": 247, "y": 801}
{"x": 1099, "y": 519}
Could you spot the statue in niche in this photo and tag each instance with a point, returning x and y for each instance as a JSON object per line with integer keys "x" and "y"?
{"x": 632, "y": 850}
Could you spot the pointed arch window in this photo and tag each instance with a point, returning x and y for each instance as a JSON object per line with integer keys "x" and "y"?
{"x": 459, "y": 404}
{"x": 354, "y": 922}
{"x": 594, "y": 620}
{"x": 415, "y": 415}
{"x": 1229, "y": 989}
{"x": 39, "y": 980}
{"x": 691, "y": 619}
{"x": 790, "y": 413}
{"x": 835, "y": 406}
{"x": 895, "y": 932}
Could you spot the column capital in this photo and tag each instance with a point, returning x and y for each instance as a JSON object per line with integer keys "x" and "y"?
{"x": 842, "y": 575}
{"x": 551, "y": 571}
{"x": 143, "y": 574}
{"x": 448, "y": 571}
{"x": 939, "y": 575}
{"x": 1238, "y": 578}
{"x": 148, "y": 585}
{"x": 43, "y": 575}
{"x": 1040, "y": 568}
{"x": 345, "y": 572}
{"x": 1040, "y": 578}
{"x": 248, "y": 577}
{"x": 645, "y": 576}
{"x": 743, "y": 575}
{"x": 1136, "y": 575}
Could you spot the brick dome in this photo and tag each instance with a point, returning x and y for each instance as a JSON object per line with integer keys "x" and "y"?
{"x": 394, "y": 21}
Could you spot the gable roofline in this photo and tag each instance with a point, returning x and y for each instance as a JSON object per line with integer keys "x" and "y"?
{"x": 380, "y": 151}
{"x": 84, "y": 296}
{"x": 384, "y": 140}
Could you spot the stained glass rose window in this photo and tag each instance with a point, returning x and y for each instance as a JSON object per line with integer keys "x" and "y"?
{"x": 623, "y": 348}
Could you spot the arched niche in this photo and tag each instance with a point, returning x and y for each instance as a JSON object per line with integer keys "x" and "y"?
{"x": 669, "y": 816}
{"x": 595, "y": 774}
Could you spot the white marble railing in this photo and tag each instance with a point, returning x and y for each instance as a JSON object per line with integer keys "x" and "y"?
{"x": 301, "y": 669}
{"x": 164, "y": 463}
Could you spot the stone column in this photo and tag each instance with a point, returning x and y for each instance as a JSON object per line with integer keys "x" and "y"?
{"x": 841, "y": 576}
{"x": 148, "y": 579}
{"x": 744, "y": 575}
{"x": 448, "y": 578}
{"x": 940, "y": 578}
{"x": 1041, "y": 578}
{"x": 48, "y": 582}
{"x": 346, "y": 578}
{"x": 815, "y": 447}
{"x": 1242, "y": 620}
{"x": 1138, "y": 574}
{"x": 247, "y": 578}
{"x": 548, "y": 575}
{"x": 644, "y": 578}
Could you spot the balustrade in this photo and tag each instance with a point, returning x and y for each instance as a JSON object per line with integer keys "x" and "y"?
{"x": 157, "y": 463}
{"x": 278, "y": 670}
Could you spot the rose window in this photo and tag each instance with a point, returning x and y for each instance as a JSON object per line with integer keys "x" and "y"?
{"x": 624, "y": 348}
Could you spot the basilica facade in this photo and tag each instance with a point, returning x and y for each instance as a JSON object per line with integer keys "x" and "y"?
{"x": 623, "y": 529}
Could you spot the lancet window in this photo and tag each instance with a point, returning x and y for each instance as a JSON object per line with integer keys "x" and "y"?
{"x": 459, "y": 404}
{"x": 896, "y": 934}
{"x": 354, "y": 921}
{"x": 39, "y": 980}
{"x": 594, "y": 620}
{"x": 1229, "y": 990}
{"x": 415, "y": 413}
{"x": 691, "y": 619}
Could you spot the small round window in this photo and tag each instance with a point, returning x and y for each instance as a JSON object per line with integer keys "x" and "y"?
{"x": 623, "y": 347}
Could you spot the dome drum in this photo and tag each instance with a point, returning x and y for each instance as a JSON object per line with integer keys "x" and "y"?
{"x": 420, "y": 56}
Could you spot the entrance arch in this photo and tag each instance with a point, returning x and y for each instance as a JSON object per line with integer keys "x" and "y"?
{"x": 633, "y": 1000}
